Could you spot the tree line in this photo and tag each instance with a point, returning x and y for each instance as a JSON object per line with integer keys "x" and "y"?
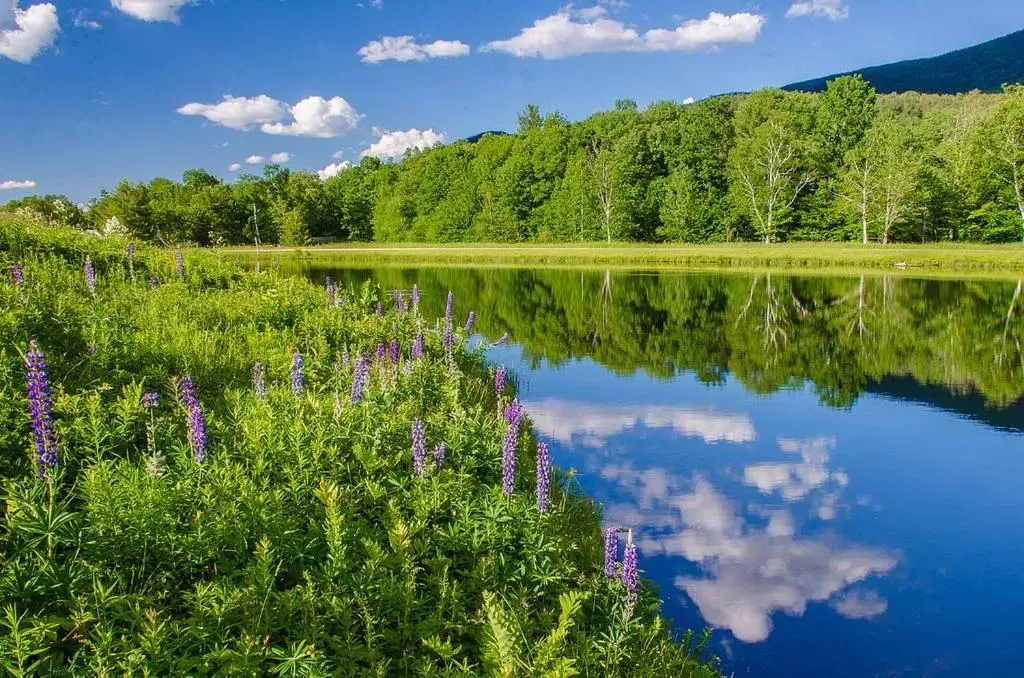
{"x": 846, "y": 164}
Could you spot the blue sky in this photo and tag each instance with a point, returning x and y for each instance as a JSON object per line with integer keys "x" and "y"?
{"x": 93, "y": 91}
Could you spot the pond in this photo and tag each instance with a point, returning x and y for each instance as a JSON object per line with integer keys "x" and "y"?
{"x": 827, "y": 470}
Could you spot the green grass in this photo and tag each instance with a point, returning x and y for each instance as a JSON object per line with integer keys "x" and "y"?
{"x": 846, "y": 257}
{"x": 303, "y": 543}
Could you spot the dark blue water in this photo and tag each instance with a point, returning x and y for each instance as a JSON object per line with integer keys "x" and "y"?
{"x": 829, "y": 472}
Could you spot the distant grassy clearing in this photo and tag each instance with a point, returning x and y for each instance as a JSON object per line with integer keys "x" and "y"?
{"x": 1004, "y": 259}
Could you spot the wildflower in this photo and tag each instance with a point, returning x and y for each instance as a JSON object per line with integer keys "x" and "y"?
{"x": 470, "y": 321}
{"x": 417, "y": 346}
{"x": 611, "y": 551}
{"x": 297, "y": 373}
{"x": 196, "y": 419}
{"x": 499, "y": 379}
{"x": 448, "y": 340}
{"x": 130, "y": 251}
{"x": 150, "y": 400}
{"x": 419, "y": 448}
{"x": 359, "y": 374}
{"x": 408, "y": 369}
{"x": 179, "y": 259}
{"x": 513, "y": 414}
{"x": 380, "y": 309}
{"x": 449, "y": 307}
{"x": 381, "y": 352}
{"x": 344, "y": 358}
{"x": 153, "y": 282}
{"x": 90, "y": 349}
{"x": 630, "y": 574}
{"x": 332, "y": 295}
{"x": 90, "y": 276}
{"x": 502, "y": 340}
{"x": 543, "y": 478}
{"x": 17, "y": 275}
{"x": 259, "y": 380}
{"x": 439, "y": 453}
{"x": 393, "y": 352}
{"x": 399, "y": 301}
{"x": 415, "y": 298}
{"x": 44, "y": 433}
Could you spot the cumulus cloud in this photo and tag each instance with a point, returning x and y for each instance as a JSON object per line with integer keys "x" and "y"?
{"x": 574, "y": 32}
{"x": 405, "y": 48}
{"x": 24, "y": 33}
{"x": 834, "y": 10}
{"x": 255, "y": 160}
{"x": 11, "y": 185}
{"x": 593, "y": 425}
{"x": 689, "y": 100}
{"x": 80, "y": 19}
{"x": 234, "y": 167}
{"x": 151, "y": 10}
{"x": 280, "y": 157}
{"x": 794, "y": 480}
{"x": 395, "y": 144}
{"x": 312, "y": 117}
{"x": 860, "y": 604}
{"x": 317, "y": 117}
{"x": 239, "y": 112}
{"x": 333, "y": 169}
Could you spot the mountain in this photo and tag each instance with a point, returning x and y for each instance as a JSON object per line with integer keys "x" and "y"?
{"x": 477, "y": 137}
{"x": 986, "y": 67}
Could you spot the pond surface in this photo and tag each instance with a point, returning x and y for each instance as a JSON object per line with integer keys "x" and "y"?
{"x": 828, "y": 471}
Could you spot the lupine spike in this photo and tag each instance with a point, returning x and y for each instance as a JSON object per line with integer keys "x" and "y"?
{"x": 150, "y": 400}
{"x": 90, "y": 276}
{"x": 470, "y": 321}
{"x": 296, "y": 375}
{"x": 153, "y": 282}
{"x": 196, "y": 419}
{"x": 630, "y": 574}
{"x": 439, "y": 454}
{"x": 419, "y": 448}
{"x": 130, "y": 251}
{"x": 44, "y": 433}
{"x": 380, "y": 309}
{"x": 449, "y": 307}
{"x": 415, "y": 298}
{"x": 381, "y": 353}
{"x": 417, "y": 346}
{"x": 543, "y": 478}
{"x": 611, "y": 552}
{"x": 399, "y": 301}
{"x": 513, "y": 414}
{"x": 502, "y": 340}
{"x": 499, "y": 379}
{"x": 259, "y": 380}
{"x": 18, "y": 275}
{"x": 393, "y": 352}
{"x": 360, "y": 369}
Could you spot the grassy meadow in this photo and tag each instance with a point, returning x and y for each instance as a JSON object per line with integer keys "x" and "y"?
{"x": 209, "y": 471}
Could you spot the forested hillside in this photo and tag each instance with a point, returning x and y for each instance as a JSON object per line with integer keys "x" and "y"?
{"x": 846, "y": 164}
{"x": 985, "y": 67}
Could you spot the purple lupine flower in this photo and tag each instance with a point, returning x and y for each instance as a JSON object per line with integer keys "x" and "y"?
{"x": 130, "y": 251}
{"x": 90, "y": 276}
{"x": 179, "y": 260}
{"x": 449, "y": 307}
{"x": 439, "y": 454}
{"x": 470, "y": 321}
{"x": 417, "y": 346}
{"x": 611, "y": 551}
{"x": 259, "y": 380}
{"x": 153, "y": 282}
{"x": 381, "y": 353}
{"x": 513, "y": 414}
{"x": 543, "y": 478}
{"x": 359, "y": 374}
{"x": 415, "y": 298}
{"x": 630, "y": 574}
{"x": 332, "y": 294}
{"x": 502, "y": 340}
{"x": 399, "y": 301}
{"x": 44, "y": 433}
{"x": 419, "y": 449}
{"x": 393, "y": 352}
{"x": 345, "y": 360}
{"x": 297, "y": 373}
{"x": 499, "y": 379}
{"x": 150, "y": 400}
{"x": 90, "y": 349}
{"x": 196, "y": 419}
{"x": 380, "y": 309}
{"x": 448, "y": 339}
{"x": 17, "y": 275}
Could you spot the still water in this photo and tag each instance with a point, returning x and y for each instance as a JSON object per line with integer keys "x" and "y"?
{"x": 826, "y": 470}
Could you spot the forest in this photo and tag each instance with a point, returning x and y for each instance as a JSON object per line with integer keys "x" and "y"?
{"x": 847, "y": 164}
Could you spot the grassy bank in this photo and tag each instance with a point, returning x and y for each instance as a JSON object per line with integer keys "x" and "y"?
{"x": 281, "y": 519}
{"x": 953, "y": 258}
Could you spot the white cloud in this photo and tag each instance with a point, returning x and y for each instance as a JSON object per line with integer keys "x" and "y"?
{"x": 80, "y": 19}
{"x": 333, "y": 169}
{"x": 317, "y": 117}
{"x": 34, "y": 29}
{"x": 405, "y": 48}
{"x": 860, "y": 605}
{"x": 689, "y": 100}
{"x": 239, "y": 112}
{"x": 835, "y": 10}
{"x": 11, "y": 185}
{"x": 574, "y": 32}
{"x": 255, "y": 160}
{"x": 593, "y": 425}
{"x": 151, "y": 10}
{"x": 395, "y": 144}
{"x": 280, "y": 157}
{"x": 794, "y": 481}
{"x": 234, "y": 167}
{"x": 337, "y": 155}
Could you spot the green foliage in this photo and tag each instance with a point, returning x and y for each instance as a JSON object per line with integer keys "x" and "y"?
{"x": 303, "y": 545}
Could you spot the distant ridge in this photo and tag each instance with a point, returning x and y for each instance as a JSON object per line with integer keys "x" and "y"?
{"x": 985, "y": 67}
{"x": 477, "y": 137}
